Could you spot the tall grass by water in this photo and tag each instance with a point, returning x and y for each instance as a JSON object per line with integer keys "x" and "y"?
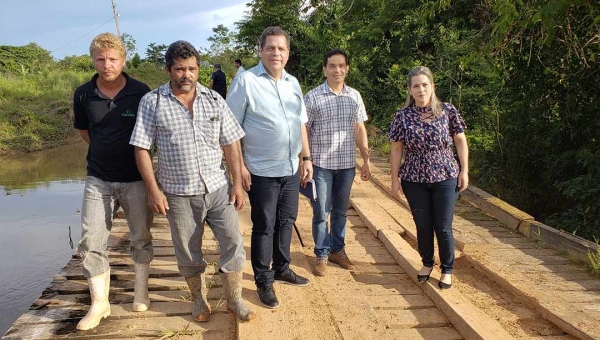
{"x": 35, "y": 108}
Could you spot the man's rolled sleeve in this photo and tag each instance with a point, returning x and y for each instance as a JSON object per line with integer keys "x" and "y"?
{"x": 237, "y": 99}
{"x": 303, "y": 115}
{"x": 144, "y": 131}
{"x": 361, "y": 113}
{"x": 310, "y": 109}
{"x": 231, "y": 131}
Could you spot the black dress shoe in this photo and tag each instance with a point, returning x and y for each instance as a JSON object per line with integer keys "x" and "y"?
{"x": 444, "y": 285}
{"x": 267, "y": 296}
{"x": 424, "y": 278}
{"x": 291, "y": 278}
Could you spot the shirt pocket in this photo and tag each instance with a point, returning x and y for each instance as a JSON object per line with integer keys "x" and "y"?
{"x": 211, "y": 128}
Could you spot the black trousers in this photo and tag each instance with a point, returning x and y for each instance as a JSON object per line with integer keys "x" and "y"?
{"x": 432, "y": 207}
{"x": 274, "y": 202}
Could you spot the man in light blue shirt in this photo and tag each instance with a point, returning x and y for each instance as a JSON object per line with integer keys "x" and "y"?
{"x": 268, "y": 104}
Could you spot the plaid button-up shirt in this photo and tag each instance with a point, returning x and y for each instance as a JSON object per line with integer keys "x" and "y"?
{"x": 332, "y": 118}
{"x": 189, "y": 146}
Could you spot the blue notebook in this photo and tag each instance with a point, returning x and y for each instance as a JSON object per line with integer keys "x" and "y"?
{"x": 310, "y": 191}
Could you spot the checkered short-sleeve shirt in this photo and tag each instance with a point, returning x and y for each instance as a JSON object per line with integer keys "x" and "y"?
{"x": 189, "y": 146}
{"x": 332, "y": 118}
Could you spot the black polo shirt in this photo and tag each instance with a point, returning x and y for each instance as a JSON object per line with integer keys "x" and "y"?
{"x": 219, "y": 83}
{"x": 110, "y": 124}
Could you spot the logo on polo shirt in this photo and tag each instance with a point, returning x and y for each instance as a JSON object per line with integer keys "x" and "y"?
{"x": 128, "y": 113}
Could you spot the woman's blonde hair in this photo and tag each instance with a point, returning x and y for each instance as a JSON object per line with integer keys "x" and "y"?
{"x": 105, "y": 41}
{"x": 436, "y": 104}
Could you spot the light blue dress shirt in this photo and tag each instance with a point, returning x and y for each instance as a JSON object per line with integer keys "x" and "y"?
{"x": 272, "y": 114}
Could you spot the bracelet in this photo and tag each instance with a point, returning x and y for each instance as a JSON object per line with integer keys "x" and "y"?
{"x": 307, "y": 158}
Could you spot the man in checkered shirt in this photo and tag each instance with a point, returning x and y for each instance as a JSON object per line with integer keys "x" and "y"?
{"x": 336, "y": 115}
{"x": 190, "y": 124}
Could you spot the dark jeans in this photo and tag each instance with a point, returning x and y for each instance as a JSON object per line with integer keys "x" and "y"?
{"x": 432, "y": 207}
{"x": 274, "y": 202}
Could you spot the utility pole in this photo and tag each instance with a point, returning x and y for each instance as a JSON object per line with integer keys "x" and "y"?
{"x": 116, "y": 15}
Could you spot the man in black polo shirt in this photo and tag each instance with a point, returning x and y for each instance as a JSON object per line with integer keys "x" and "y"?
{"x": 218, "y": 81}
{"x": 105, "y": 114}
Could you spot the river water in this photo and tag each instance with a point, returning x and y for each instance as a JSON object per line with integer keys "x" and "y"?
{"x": 40, "y": 198}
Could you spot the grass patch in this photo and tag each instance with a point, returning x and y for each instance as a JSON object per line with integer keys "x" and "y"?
{"x": 35, "y": 109}
{"x": 168, "y": 333}
{"x": 594, "y": 257}
{"x": 381, "y": 144}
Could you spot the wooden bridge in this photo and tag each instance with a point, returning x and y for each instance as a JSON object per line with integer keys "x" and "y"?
{"x": 514, "y": 278}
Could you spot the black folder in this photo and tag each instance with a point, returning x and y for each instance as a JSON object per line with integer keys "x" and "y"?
{"x": 310, "y": 191}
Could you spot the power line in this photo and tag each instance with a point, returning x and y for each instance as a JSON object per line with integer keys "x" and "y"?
{"x": 107, "y": 21}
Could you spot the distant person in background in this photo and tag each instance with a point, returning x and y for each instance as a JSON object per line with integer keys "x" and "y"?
{"x": 218, "y": 82}
{"x": 336, "y": 116}
{"x": 422, "y": 132}
{"x": 240, "y": 69}
{"x": 192, "y": 127}
{"x": 105, "y": 113}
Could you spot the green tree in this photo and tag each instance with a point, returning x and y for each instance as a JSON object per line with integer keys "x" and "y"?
{"x": 155, "y": 54}
{"x": 136, "y": 61}
{"x": 129, "y": 43}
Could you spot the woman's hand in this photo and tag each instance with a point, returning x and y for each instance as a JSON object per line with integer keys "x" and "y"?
{"x": 463, "y": 180}
{"x": 397, "y": 188}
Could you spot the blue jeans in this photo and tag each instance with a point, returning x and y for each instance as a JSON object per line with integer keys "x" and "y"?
{"x": 274, "y": 202}
{"x": 99, "y": 199}
{"x": 432, "y": 207}
{"x": 333, "y": 196}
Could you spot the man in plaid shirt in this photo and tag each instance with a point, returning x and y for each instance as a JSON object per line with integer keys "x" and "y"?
{"x": 190, "y": 124}
{"x": 336, "y": 115}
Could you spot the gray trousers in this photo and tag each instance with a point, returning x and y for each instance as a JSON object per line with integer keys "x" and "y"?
{"x": 187, "y": 215}
{"x": 99, "y": 199}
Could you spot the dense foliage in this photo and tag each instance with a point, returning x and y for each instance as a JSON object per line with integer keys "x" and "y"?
{"x": 524, "y": 74}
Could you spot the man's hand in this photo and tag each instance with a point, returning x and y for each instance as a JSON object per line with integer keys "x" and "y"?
{"x": 365, "y": 171}
{"x": 157, "y": 202}
{"x": 306, "y": 172}
{"x": 246, "y": 178}
{"x": 237, "y": 197}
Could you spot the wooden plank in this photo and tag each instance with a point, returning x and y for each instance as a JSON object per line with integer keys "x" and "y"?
{"x": 74, "y": 271}
{"x": 167, "y": 283}
{"x": 221, "y": 326}
{"x": 577, "y": 247}
{"x": 413, "y": 318}
{"x": 504, "y": 212}
{"x": 392, "y": 302}
{"x": 441, "y": 333}
{"x": 470, "y": 321}
{"x": 302, "y": 314}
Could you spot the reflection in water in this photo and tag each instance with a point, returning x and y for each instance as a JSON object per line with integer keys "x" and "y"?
{"x": 27, "y": 171}
{"x": 41, "y": 198}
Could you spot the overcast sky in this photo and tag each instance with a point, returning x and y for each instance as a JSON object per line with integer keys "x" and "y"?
{"x": 54, "y": 24}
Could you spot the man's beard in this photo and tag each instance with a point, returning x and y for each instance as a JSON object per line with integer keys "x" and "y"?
{"x": 186, "y": 87}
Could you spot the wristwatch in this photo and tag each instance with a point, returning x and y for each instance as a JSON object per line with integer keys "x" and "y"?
{"x": 307, "y": 158}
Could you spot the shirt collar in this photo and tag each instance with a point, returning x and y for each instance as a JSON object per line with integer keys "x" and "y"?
{"x": 127, "y": 89}
{"x": 262, "y": 70}
{"x": 166, "y": 90}
{"x": 327, "y": 89}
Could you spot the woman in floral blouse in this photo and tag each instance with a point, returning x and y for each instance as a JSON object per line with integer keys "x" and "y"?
{"x": 430, "y": 177}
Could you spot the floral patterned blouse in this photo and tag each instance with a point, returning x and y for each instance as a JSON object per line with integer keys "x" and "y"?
{"x": 428, "y": 156}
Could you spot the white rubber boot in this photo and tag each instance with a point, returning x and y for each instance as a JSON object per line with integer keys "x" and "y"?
{"x": 100, "y": 309}
{"x": 141, "y": 300}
